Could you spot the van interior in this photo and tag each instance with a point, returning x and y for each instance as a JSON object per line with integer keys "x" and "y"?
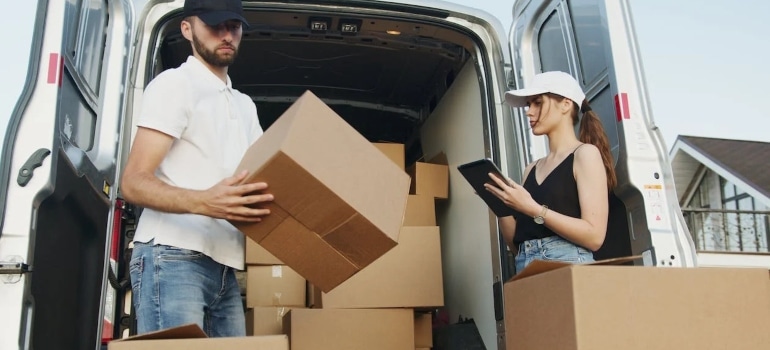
{"x": 385, "y": 79}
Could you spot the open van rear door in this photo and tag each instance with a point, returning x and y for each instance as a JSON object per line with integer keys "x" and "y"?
{"x": 594, "y": 41}
{"x": 58, "y": 169}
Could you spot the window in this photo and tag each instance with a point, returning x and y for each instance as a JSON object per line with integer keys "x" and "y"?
{"x": 738, "y": 223}
{"x": 85, "y": 38}
{"x": 589, "y": 37}
{"x": 90, "y": 42}
{"x": 77, "y": 120}
{"x": 552, "y": 45}
{"x": 746, "y": 228}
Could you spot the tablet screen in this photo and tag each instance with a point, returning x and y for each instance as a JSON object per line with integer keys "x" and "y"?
{"x": 477, "y": 174}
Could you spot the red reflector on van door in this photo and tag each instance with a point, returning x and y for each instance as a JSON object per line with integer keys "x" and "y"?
{"x": 621, "y": 107}
{"x": 55, "y": 63}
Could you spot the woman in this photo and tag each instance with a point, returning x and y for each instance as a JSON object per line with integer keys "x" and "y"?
{"x": 562, "y": 207}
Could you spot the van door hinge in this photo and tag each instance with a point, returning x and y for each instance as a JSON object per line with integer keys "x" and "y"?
{"x": 13, "y": 268}
{"x": 34, "y": 161}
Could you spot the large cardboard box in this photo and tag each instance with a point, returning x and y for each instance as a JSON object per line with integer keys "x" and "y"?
{"x": 335, "y": 329}
{"x": 339, "y": 201}
{"x": 592, "y": 307}
{"x": 410, "y": 275}
{"x": 191, "y": 337}
{"x": 276, "y": 285}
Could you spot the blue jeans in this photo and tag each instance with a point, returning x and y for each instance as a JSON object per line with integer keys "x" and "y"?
{"x": 550, "y": 248}
{"x": 172, "y": 287}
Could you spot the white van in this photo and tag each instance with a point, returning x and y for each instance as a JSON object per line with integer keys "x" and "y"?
{"x": 428, "y": 74}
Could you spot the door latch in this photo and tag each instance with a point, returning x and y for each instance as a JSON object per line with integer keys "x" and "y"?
{"x": 34, "y": 161}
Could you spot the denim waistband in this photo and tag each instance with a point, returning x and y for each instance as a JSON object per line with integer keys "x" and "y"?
{"x": 537, "y": 244}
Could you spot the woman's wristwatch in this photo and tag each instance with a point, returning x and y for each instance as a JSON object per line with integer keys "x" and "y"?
{"x": 540, "y": 219}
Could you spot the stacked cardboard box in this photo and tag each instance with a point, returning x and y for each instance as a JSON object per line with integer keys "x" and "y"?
{"x": 409, "y": 277}
{"x": 272, "y": 289}
{"x": 274, "y": 285}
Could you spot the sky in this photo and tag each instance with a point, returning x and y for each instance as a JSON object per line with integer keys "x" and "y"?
{"x": 704, "y": 63}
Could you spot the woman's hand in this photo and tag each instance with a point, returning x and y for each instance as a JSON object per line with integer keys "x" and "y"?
{"x": 513, "y": 195}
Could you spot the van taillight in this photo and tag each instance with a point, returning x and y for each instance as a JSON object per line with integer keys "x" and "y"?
{"x": 108, "y": 323}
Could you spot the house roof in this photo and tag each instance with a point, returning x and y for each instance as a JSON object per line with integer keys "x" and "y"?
{"x": 745, "y": 163}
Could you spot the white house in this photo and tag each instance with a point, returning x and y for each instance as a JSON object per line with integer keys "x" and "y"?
{"x": 724, "y": 191}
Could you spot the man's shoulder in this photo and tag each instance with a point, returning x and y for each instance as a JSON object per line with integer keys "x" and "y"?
{"x": 170, "y": 78}
{"x": 173, "y": 73}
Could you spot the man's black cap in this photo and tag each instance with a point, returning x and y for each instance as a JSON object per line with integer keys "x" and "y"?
{"x": 214, "y": 12}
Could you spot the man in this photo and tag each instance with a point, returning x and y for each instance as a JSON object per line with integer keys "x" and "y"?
{"x": 192, "y": 131}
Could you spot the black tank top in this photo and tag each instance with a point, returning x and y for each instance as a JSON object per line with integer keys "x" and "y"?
{"x": 558, "y": 191}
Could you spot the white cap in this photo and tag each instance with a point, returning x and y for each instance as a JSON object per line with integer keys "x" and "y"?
{"x": 555, "y": 82}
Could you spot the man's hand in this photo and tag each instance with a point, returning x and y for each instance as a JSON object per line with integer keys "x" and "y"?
{"x": 231, "y": 201}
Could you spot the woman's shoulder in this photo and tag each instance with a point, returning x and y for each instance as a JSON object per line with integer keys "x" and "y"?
{"x": 587, "y": 152}
{"x": 587, "y": 156}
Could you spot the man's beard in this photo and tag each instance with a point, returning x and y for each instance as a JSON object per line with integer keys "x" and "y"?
{"x": 211, "y": 57}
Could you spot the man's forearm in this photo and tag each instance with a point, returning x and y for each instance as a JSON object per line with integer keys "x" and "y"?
{"x": 150, "y": 192}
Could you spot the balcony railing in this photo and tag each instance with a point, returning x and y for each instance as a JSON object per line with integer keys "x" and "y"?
{"x": 724, "y": 230}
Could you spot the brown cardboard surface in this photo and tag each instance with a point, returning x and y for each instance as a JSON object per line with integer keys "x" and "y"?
{"x": 540, "y": 266}
{"x": 264, "y": 342}
{"x": 328, "y": 181}
{"x": 429, "y": 179}
{"x": 192, "y": 337}
{"x": 423, "y": 330}
{"x": 394, "y": 151}
{"x": 420, "y": 211}
{"x": 335, "y": 329}
{"x": 410, "y": 275}
{"x": 310, "y": 254}
{"x": 313, "y": 296}
{"x": 633, "y": 307}
{"x": 257, "y": 255}
{"x": 181, "y": 332}
{"x": 265, "y": 320}
{"x": 275, "y": 285}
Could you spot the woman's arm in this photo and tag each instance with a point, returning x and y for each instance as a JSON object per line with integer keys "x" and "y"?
{"x": 508, "y": 230}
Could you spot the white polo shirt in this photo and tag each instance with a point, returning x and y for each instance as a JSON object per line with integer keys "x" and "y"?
{"x": 213, "y": 125}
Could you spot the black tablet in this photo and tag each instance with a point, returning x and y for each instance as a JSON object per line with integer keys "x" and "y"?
{"x": 477, "y": 174}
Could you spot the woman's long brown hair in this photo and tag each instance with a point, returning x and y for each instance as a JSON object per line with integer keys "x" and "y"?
{"x": 592, "y": 131}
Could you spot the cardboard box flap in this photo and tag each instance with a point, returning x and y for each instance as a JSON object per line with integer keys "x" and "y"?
{"x": 182, "y": 332}
{"x": 439, "y": 158}
{"x": 537, "y": 267}
{"x": 616, "y": 261}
